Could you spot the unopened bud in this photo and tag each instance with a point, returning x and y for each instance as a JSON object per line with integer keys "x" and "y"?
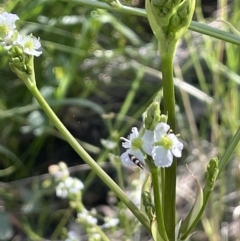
{"x": 147, "y": 203}
{"x": 169, "y": 20}
{"x": 211, "y": 173}
{"x": 146, "y": 197}
{"x": 163, "y": 118}
{"x": 151, "y": 116}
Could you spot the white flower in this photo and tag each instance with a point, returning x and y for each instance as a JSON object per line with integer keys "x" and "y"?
{"x": 133, "y": 145}
{"x": 9, "y": 36}
{"x": 162, "y": 145}
{"x": 91, "y": 220}
{"x": 68, "y": 186}
{"x": 73, "y": 185}
{"x": 96, "y": 236}
{"x": 7, "y": 24}
{"x": 59, "y": 172}
{"x": 72, "y": 236}
{"x": 86, "y": 217}
{"x": 30, "y": 44}
{"x": 61, "y": 190}
{"x": 110, "y": 222}
{"x": 148, "y": 142}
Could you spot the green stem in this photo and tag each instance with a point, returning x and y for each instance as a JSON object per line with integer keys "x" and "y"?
{"x": 162, "y": 170}
{"x": 62, "y": 223}
{"x": 206, "y": 194}
{"x": 207, "y": 191}
{"x": 158, "y": 204}
{"x": 87, "y": 158}
{"x": 104, "y": 237}
{"x": 226, "y": 157}
{"x": 169, "y": 196}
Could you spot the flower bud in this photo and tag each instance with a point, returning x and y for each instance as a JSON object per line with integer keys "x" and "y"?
{"x": 146, "y": 197}
{"x": 151, "y": 116}
{"x": 169, "y": 20}
{"x": 16, "y": 51}
{"x": 147, "y": 203}
{"x": 164, "y": 118}
{"x": 211, "y": 173}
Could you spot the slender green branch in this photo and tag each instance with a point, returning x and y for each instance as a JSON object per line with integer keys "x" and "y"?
{"x": 169, "y": 196}
{"x": 104, "y": 237}
{"x": 195, "y": 26}
{"x": 123, "y": 9}
{"x": 190, "y": 229}
{"x": 162, "y": 171}
{"x": 214, "y": 32}
{"x": 86, "y": 157}
{"x": 210, "y": 178}
{"x": 232, "y": 145}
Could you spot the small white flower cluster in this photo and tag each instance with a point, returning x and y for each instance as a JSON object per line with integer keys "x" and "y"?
{"x": 10, "y": 37}
{"x": 160, "y": 144}
{"x": 72, "y": 236}
{"x": 95, "y": 236}
{"x": 59, "y": 172}
{"x": 67, "y": 186}
{"x": 110, "y": 222}
{"x": 85, "y": 217}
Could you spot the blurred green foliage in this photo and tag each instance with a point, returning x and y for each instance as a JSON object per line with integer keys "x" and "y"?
{"x": 99, "y": 71}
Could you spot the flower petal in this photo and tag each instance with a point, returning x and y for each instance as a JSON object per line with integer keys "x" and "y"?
{"x": 126, "y": 159}
{"x": 147, "y": 142}
{"x": 134, "y": 134}
{"x": 126, "y": 144}
{"x": 9, "y": 18}
{"x": 138, "y": 154}
{"x": 177, "y": 146}
{"x": 30, "y": 44}
{"x": 160, "y": 130}
{"x": 162, "y": 157}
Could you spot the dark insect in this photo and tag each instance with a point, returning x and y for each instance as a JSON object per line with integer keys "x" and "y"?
{"x": 136, "y": 161}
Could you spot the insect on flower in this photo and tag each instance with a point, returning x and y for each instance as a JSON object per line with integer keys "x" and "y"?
{"x": 136, "y": 161}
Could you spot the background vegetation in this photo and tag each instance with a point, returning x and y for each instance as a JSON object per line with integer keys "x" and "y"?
{"x": 99, "y": 71}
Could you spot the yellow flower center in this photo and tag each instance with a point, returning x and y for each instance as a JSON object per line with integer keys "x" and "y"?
{"x": 166, "y": 142}
{"x": 137, "y": 143}
{"x": 29, "y": 44}
{"x": 3, "y": 29}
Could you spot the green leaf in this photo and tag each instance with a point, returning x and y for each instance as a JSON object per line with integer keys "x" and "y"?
{"x": 192, "y": 215}
{"x": 177, "y": 230}
{"x": 156, "y": 235}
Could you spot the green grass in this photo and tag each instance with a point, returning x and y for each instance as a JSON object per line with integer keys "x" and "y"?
{"x": 99, "y": 71}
